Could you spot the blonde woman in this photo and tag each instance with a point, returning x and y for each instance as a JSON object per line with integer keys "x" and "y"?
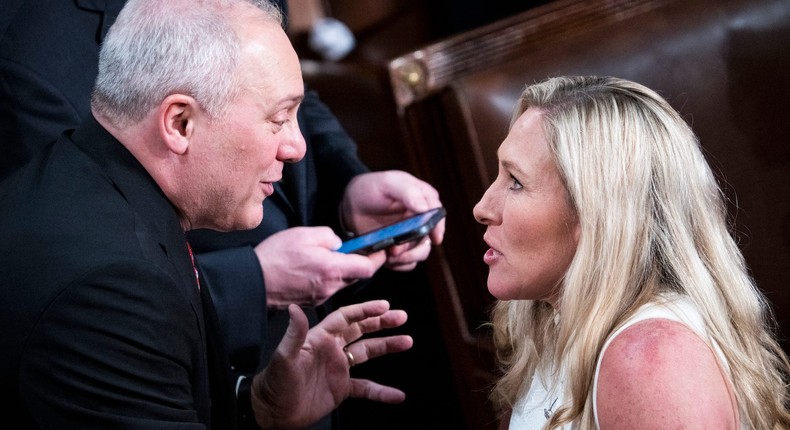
{"x": 623, "y": 300}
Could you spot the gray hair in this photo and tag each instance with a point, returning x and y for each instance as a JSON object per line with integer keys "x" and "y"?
{"x": 160, "y": 47}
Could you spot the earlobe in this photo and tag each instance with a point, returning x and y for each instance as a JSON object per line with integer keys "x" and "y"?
{"x": 577, "y": 231}
{"x": 176, "y": 122}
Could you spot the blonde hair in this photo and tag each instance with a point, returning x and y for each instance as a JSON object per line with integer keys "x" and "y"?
{"x": 653, "y": 220}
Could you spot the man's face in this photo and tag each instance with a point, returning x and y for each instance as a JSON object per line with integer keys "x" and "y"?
{"x": 242, "y": 153}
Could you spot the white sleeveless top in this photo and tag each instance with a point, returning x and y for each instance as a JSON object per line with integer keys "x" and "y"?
{"x": 533, "y": 410}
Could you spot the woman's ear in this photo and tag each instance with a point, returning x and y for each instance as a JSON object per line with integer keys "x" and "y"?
{"x": 177, "y": 121}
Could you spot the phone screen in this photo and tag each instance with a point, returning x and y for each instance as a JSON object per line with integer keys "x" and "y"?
{"x": 403, "y": 231}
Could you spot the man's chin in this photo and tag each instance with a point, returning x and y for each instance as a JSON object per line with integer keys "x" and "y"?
{"x": 249, "y": 222}
{"x": 253, "y": 220}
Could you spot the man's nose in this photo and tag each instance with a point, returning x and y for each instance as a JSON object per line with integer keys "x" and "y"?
{"x": 293, "y": 148}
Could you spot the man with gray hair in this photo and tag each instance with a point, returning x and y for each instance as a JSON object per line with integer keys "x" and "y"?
{"x": 103, "y": 320}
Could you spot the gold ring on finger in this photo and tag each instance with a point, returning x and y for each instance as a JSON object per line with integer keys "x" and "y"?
{"x": 350, "y": 357}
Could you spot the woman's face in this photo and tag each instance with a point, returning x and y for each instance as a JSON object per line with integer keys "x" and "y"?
{"x": 532, "y": 230}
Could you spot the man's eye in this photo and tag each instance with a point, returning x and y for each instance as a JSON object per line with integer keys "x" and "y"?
{"x": 516, "y": 185}
{"x": 277, "y": 125}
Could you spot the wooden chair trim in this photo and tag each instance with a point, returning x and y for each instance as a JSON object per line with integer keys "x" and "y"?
{"x": 417, "y": 74}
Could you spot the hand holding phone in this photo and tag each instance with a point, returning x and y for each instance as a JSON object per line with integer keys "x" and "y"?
{"x": 407, "y": 230}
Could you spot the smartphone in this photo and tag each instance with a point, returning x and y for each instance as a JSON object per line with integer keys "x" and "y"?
{"x": 403, "y": 231}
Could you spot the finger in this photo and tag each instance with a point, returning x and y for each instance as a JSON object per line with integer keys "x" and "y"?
{"x": 351, "y": 322}
{"x": 396, "y": 250}
{"x": 321, "y": 236}
{"x": 367, "y": 349}
{"x": 378, "y": 258}
{"x": 402, "y": 267}
{"x": 408, "y": 260}
{"x": 437, "y": 234}
{"x": 355, "y": 266}
{"x": 324, "y": 237}
{"x": 350, "y": 357}
{"x": 366, "y": 389}
{"x": 390, "y": 319}
{"x": 423, "y": 197}
{"x": 296, "y": 333}
{"x": 411, "y": 252}
{"x": 339, "y": 321}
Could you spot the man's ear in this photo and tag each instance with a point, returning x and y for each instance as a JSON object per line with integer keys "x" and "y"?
{"x": 177, "y": 115}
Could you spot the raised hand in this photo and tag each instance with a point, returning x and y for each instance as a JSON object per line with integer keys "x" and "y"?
{"x": 308, "y": 376}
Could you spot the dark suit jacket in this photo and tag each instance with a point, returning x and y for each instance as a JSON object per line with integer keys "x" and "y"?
{"x": 48, "y": 57}
{"x": 101, "y": 321}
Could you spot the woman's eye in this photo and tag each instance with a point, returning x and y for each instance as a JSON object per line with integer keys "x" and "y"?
{"x": 515, "y": 185}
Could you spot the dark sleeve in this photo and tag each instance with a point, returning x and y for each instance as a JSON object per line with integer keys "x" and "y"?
{"x": 48, "y": 62}
{"x": 119, "y": 348}
{"x": 234, "y": 278}
{"x": 33, "y": 113}
{"x": 336, "y": 157}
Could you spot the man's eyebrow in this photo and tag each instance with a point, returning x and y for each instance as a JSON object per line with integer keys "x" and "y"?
{"x": 293, "y": 100}
{"x": 286, "y": 103}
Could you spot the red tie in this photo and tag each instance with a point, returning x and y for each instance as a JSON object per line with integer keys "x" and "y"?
{"x": 192, "y": 257}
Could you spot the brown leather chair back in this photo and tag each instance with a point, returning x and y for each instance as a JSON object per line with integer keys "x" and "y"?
{"x": 725, "y": 64}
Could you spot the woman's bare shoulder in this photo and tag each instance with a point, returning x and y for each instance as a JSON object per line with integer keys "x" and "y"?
{"x": 659, "y": 374}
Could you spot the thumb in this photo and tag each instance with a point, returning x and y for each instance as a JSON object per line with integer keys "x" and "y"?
{"x": 296, "y": 334}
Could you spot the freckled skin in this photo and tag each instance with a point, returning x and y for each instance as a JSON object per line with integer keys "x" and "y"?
{"x": 658, "y": 374}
